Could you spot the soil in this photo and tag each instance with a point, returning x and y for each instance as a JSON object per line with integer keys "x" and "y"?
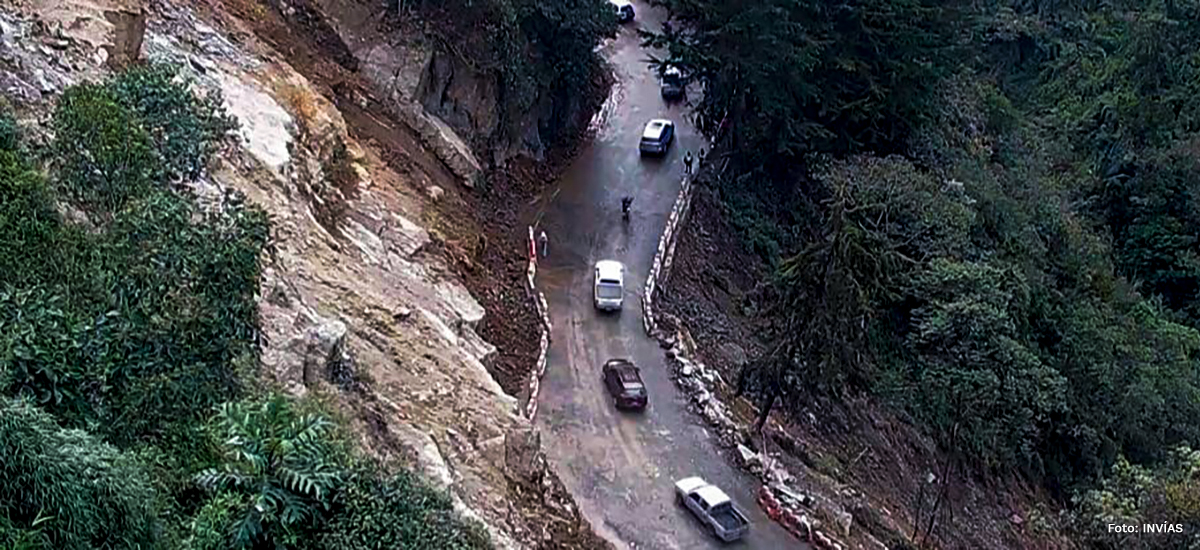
{"x": 861, "y": 454}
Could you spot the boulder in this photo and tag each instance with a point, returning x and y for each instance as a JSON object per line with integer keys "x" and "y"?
{"x": 324, "y": 347}
{"x": 113, "y": 29}
{"x": 844, "y": 521}
{"x": 523, "y": 458}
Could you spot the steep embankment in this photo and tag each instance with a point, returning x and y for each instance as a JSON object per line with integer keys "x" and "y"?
{"x": 358, "y": 301}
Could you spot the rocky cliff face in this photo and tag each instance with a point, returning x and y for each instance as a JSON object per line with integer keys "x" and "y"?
{"x": 357, "y": 303}
{"x": 461, "y": 109}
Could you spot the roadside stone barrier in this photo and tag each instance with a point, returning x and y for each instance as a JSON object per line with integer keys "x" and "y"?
{"x": 543, "y": 310}
{"x": 665, "y": 253}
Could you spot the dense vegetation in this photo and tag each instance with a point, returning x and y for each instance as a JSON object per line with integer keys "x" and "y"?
{"x": 986, "y": 213}
{"x": 130, "y": 411}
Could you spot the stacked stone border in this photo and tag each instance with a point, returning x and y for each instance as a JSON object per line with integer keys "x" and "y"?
{"x": 698, "y": 382}
{"x": 543, "y": 310}
{"x": 663, "y": 256}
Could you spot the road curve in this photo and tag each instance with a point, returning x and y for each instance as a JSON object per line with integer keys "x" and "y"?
{"x": 621, "y": 467}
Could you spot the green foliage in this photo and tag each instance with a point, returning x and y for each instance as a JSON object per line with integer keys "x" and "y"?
{"x": 1125, "y": 87}
{"x": 186, "y": 129}
{"x": 882, "y": 219}
{"x": 149, "y": 329}
{"x": 1135, "y": 495}
{"x": 976, "y": 370}
{"x": 104, "y": 157}
{"x": 804, "y": 76}
{"x": 67, "y": 487}
{"x": 399, "y": 511}
{"x": 281, "y": 461}
{"x": 10, "y": 132}
{"x": 210, "y": 527}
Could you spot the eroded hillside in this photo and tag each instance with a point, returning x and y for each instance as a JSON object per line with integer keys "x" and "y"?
{"x": 348, "y": 142}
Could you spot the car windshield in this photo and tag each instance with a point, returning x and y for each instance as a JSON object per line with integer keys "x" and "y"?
{"x": 608, "y": 291}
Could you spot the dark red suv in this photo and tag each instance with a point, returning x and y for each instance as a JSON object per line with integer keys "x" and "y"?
{"x": 624, "y": 383}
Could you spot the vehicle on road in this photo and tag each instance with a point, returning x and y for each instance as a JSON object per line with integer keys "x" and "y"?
{"x": 672, "y": 83}
{"x": 624, "y": 10}
{"x": 657, "y": 136}
{"x": 624, "y": 383}
{"x": 713, "y": 508}
{"x": 609, "y": 285}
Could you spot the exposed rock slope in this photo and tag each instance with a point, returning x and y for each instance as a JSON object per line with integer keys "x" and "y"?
{"x": 356, "y": 302}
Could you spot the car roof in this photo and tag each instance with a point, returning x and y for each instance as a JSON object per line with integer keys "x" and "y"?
{"x": 712, "y": 495}
{"x": 689, "y": 484}
{"x": 619, "y": 3}
{"x": 625, "y": 370}
{"x": 610, "y": 269}
{"x": 654, "y": 128}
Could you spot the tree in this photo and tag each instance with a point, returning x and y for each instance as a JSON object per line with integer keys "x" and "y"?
{"x": 280, "y": 461}
{"x": 800, "y": 76}
{"x": 883, "y": 221}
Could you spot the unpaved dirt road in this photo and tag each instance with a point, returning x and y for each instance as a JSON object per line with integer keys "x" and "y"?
{"x": 621, "y": 467}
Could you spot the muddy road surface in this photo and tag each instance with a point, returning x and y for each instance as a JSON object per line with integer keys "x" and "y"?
{"x": 621, "y": 467}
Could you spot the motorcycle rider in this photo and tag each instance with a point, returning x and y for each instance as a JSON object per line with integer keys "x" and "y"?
{"x": 626, "y": 202}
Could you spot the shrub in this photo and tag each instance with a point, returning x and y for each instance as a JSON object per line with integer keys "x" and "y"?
{"x": 399, "y": 511}
{"x": 185, "y": 128}
{"x": 104, "y": 157}
{"x": 283, "y": 462}
{"x": 84, "y": 492}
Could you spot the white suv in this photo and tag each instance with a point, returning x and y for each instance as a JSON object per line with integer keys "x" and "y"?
{"x": 609, "y": 285}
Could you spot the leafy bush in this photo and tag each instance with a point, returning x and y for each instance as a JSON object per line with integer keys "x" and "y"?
{"x": 84, "y": 493}
{"x": 104, "y": 156}
{"x": 283, "y": 464}
{"x": 185, "y": 128}
{"x": 399, "y": 511}
{"x": 1134, "y": 495}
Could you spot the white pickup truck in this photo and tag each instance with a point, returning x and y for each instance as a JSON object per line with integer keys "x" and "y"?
{"x": 713, "y": 507}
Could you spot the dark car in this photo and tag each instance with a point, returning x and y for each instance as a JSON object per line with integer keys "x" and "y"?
{"x": 623, "y": 9}
{"x": 624, "y": 383}
{"x": 672, "y": 83}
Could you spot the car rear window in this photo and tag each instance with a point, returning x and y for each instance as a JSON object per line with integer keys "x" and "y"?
{"x": 608, "y": 290}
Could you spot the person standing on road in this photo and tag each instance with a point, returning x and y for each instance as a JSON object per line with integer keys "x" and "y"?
{"x": 700, "y": 158}
{"x": 543, "y": 242}
{"x": 687, "y": 163}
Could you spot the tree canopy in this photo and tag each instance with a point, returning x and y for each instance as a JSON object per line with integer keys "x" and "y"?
{"x": 985, "y": 213}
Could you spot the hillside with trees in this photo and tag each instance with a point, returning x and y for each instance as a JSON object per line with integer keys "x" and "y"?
{"x": 133, "y": 413}
{"x": 983, "y": 214}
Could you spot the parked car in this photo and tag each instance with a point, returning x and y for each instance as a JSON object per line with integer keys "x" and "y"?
{"x": 608, "y": 288}
{"x": 624, "y": 10}
{"x": 672, "y": 83}
{"x": 657, "y": 136}
{"x": 624, "y": 383}
{"x": 713, "y": 508}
